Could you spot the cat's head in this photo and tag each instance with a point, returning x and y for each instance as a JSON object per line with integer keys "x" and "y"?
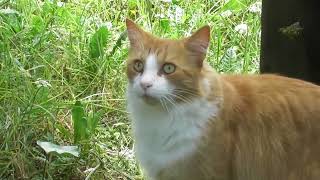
{"x": 164, "y": 68}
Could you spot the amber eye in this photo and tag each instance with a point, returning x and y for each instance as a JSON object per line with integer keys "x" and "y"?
{"x": 138, "y": 66}
{"x": 168, "y": 68}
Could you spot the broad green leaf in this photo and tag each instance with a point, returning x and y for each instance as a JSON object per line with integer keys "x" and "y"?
{"x": 49, "y": 147}
{"x": 165, "y": 24}
{"x": 79, "y": 122}
{"x": 93, "y": 120}
{"x": 48, "y": 7}
{"x": 11, "y": 18}
{"x": 98, "y": 42}
{"x": 233, "y": 5}
{"x": 132, "y": 4}
{"x": 38, "y": 25}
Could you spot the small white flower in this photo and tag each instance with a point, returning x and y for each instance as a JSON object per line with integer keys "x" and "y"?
{"x": 93, "y": 20}
{"x": 187, "y": 33}
{"x": 232, "y": 52}
{"x": 226, "y": 13}
{"x": 89, "y": 170}
{"x": 127, "y": 153}
{"x": 159, "y": 15}
{"x": 241, "y": 28}
{"x": 108, "y": 25}
{"x": 178, "y": 14}
{"x": 175, "y": 16}
{"x": 60, "y": 32}
{"x": 255, "y": 7}
{"x": 170, "y": 15}
{"x": 9, "y": 11}
{"x": 42, "y": 83}
{"x": 167, "y": 1}
{"x": 60, "y": 4}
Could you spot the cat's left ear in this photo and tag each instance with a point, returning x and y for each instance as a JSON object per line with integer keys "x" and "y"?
{"x": 135, "y": 34}
{"x": 198, "y": 43}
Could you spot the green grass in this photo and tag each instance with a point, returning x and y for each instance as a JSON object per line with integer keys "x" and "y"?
{"x": 49, "y": 42}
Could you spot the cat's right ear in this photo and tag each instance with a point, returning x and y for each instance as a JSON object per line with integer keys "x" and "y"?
{"x": 135, "y": 34}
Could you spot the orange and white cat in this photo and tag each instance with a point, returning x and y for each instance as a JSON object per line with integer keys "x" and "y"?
{"x": 190, "y": 123}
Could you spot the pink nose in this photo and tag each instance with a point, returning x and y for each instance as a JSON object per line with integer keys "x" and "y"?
{"x": 146, "y": 85}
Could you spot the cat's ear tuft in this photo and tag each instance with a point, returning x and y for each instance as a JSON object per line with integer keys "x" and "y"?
{"x": 199, "y": 41}
{"x": 135, "y": 33}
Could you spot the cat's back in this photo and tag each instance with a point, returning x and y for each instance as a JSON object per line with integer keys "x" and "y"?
{"x": 270, "y": 83}
{"x": 271, "y": 92}
{"x": 276, "y": 126}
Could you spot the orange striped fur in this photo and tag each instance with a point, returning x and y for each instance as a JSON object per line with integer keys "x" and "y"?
{"x": 267, "y": 127}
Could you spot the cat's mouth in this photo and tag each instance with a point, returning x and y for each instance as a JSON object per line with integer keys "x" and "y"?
{"x": 149, "y": 99}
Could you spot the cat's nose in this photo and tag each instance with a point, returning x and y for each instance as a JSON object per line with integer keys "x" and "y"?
{"x": 145, "y": 85}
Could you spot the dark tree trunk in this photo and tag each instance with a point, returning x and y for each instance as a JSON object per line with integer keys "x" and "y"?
{"x": 291, "y": 38}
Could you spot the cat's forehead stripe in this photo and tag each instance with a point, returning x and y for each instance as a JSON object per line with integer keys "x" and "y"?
{"x": 151, "y": 63}
{"x": 162, "y": 51}
{"x": 149, "y": 51}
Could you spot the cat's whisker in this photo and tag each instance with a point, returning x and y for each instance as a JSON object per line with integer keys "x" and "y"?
{"x": 162, "y": 105}
{"x": 168, "y": 99}
{"x": 183, "y": 99}
{"x": 176, "y": 110}
{"x": 181, "y": 91}
{"x": 192, "y": 90}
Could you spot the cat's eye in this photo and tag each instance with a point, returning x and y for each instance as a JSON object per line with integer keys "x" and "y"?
{"x": 168, "y": 68}
{"x": 138, "y": 66}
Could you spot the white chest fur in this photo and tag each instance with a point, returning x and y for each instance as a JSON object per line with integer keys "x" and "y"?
{"x": 162, "y": 138}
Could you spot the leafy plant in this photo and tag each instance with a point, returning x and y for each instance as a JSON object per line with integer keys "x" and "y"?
{"x": 98, "y": 42}
{"x": 80, "y": 126}
{"x": 234, "y": 5}
{"x": 84, "y": 125}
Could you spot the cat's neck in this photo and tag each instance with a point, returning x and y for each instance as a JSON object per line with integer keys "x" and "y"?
{"x": 211, "y": 85}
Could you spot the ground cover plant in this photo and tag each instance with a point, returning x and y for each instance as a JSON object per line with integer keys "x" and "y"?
{"x": 62, "y": 78}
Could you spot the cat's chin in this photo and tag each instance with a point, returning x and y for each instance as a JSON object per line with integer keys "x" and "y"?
{"x": 150, "y": 100}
